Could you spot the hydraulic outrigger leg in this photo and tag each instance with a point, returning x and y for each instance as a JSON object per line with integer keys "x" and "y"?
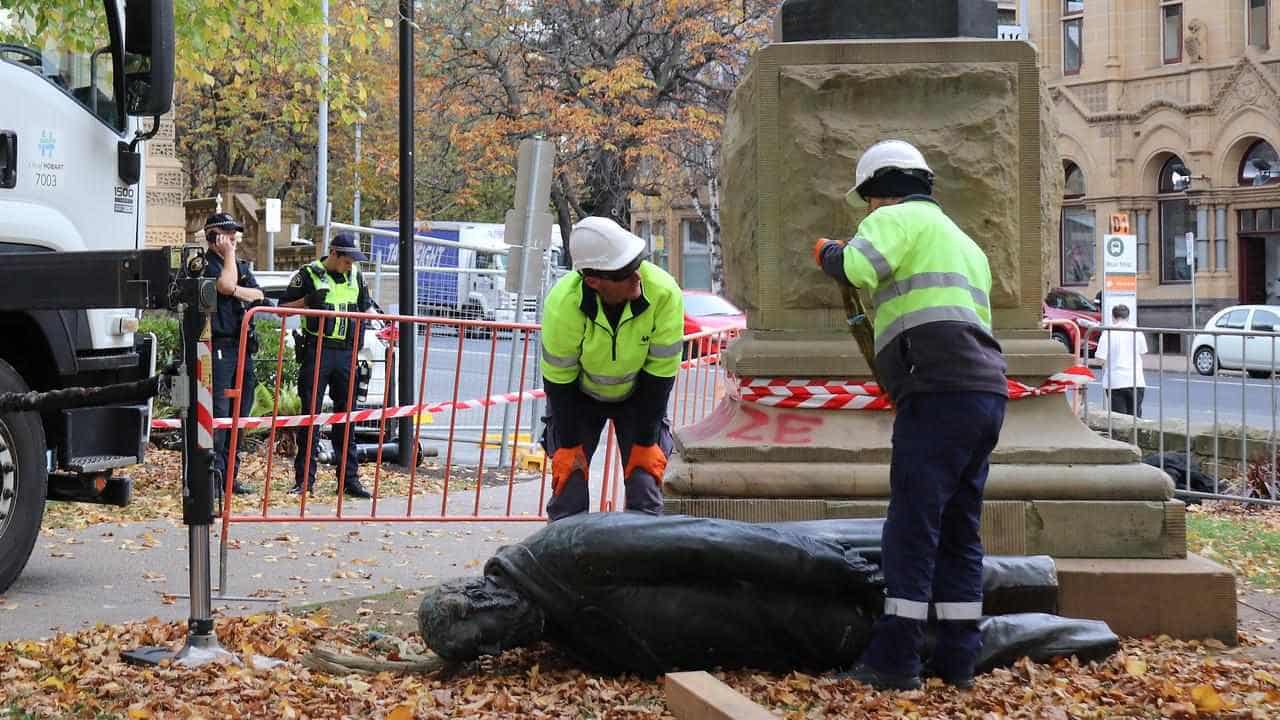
{"x": 196, "y": 298}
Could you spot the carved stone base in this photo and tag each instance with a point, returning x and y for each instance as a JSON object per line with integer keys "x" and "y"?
{"x": 1061, "y": 528}
{"x": 1055, "y": 486}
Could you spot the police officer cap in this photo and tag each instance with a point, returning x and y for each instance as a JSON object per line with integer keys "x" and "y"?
{"x": 346, "y": 244}
{"x": 222, "y": 221}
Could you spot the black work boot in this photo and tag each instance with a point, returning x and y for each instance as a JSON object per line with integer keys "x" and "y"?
{"x": 960, "y": 682}
{"x": 239, "y": 488}
{"x": 961, "y": 679}
{"x": 356, "y": 489}
{"x": 868, "y": 675}
{"x": 297, "y": 489}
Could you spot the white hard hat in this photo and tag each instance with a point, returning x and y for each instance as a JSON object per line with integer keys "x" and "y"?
{"x": 885, "y": 155}
{"x": 598, "y": 243}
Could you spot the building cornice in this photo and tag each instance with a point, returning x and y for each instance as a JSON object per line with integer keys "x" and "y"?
{"x": 1231, "y": 88}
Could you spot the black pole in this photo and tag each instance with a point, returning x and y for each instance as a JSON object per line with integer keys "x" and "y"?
{"x": 407, "y": 280}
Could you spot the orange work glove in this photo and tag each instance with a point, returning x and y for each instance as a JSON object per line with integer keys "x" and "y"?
{"x": 819, "y": 247}
{"x": 564, "y": 463}
{"x": 648, "y": 458}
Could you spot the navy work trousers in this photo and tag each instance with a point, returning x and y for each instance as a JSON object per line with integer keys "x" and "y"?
{"x": 932, "y": 552}
{"x": 643, "y": 491}
{"x": 226, "y": 355}
{"x": 335, "y": 376}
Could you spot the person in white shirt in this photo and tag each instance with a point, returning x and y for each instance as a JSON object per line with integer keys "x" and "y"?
{"x": 1122, "y": 352}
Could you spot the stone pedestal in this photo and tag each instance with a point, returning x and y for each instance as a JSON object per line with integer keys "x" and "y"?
{"x": 796, "y": 126}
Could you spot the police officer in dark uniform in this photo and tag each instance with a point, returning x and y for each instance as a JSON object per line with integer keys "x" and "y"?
{"x": 334, "y": 284}
{"x": 237, "y": 290}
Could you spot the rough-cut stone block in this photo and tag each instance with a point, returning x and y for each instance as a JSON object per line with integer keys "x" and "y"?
{"x": 1063, "y": 529}
{"x": 804, "y": 113}
{"x": 1117, "y": 529}
{"x": 1189, "y": 598}
{"x": 834, "y": 112}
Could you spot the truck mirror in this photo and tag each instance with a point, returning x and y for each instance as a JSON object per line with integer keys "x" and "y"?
{"x": 149, "y": 56}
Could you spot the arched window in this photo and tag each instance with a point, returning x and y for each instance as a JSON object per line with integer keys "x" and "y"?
{"x": 1174, "y": 176}
{"x": 1077, "y": 234}
{"x": 1260, "y": 166}
{"x": 1074, "y": 185}
{"x": 1176, "y": 220}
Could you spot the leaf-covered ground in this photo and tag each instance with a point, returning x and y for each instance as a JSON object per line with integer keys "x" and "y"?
{"x": 82, "y": 676}
{"x": 157, "y": 494}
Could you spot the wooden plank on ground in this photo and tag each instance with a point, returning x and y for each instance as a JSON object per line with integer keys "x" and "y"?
{"x": 698, "y": 696}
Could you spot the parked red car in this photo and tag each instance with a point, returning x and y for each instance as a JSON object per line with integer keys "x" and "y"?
{"x": 1064, "y": 304}
{"x": 704, "y": 311}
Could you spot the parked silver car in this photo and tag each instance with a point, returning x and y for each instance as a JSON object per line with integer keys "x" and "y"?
{"x": 1258, "y": 355}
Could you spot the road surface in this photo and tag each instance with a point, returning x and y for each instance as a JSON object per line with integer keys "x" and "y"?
{"x": 1228, "y": 396}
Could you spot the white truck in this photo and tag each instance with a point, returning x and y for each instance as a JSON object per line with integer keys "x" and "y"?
{"x": 467, "y": 280}
{"x": 73, "y": 270}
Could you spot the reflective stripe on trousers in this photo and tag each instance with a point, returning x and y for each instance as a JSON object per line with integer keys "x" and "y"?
{"x": 914, "y": 610}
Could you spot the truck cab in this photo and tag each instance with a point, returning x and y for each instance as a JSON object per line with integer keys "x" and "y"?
{"x": 80, "y": 78}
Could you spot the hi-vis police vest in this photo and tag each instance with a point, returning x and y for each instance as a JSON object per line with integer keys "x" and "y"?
{"x": 920, "y": 267}
{"x": 579, "y": 344}
{"x": 343, "y": 296}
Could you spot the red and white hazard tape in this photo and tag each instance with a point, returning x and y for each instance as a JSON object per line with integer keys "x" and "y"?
{"x": 843, "y": 395}
{"x": 369, "y": 414}
{"x": 372, "y": 414}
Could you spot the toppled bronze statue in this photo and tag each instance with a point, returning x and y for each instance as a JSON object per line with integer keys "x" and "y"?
{"x": 626, "y": 592}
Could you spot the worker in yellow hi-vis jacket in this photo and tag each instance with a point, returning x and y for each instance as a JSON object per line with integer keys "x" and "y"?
{"x": 945, "y": 372}
{"x": 611, "y": 341}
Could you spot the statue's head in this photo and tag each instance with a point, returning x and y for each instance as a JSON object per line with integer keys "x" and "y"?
{"x": 465, "y": 618}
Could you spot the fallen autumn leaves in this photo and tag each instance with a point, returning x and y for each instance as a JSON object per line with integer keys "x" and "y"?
{"x": 157, "y": 493}
{"x": 81, "y": 676}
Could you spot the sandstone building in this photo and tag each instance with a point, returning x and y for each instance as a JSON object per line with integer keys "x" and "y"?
{"x": 1170, "y": 112}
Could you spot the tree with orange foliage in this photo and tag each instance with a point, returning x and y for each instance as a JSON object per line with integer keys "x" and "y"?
{"x": 632, "y": 92}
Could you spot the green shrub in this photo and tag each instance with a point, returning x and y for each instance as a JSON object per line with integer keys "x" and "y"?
{"x": 165, "y": 326}
{"x": 264, "y": 363}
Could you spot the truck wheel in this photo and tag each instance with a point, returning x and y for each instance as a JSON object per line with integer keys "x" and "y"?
{"x": 23, "y": 481}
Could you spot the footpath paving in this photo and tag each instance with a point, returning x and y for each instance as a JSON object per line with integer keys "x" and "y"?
{"x": 116, "y": 572}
